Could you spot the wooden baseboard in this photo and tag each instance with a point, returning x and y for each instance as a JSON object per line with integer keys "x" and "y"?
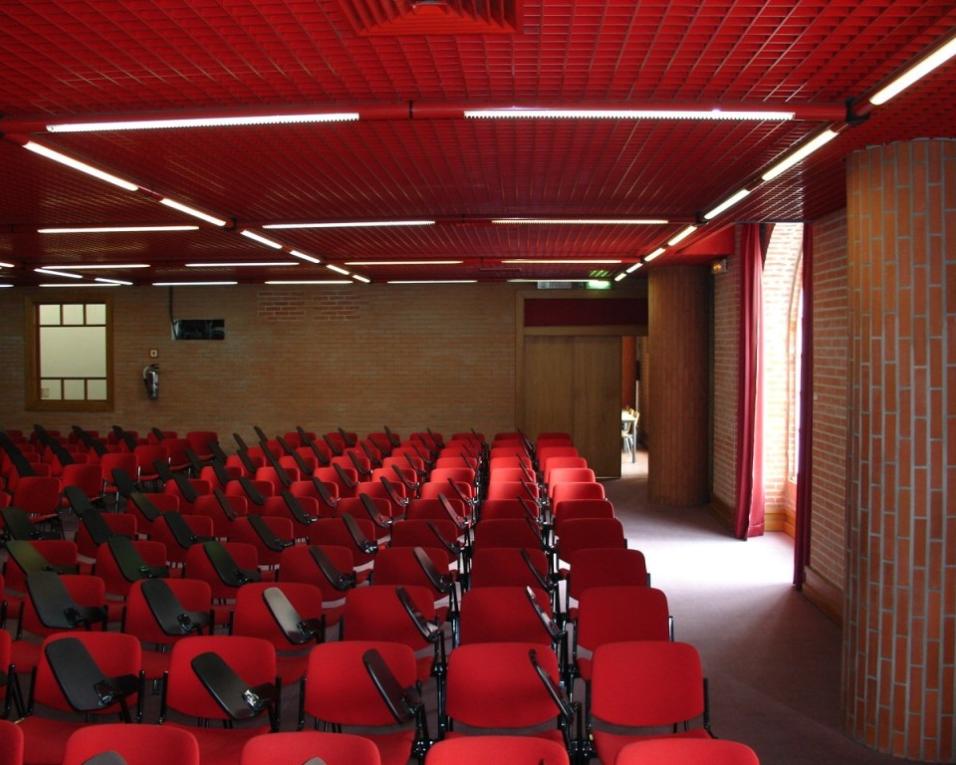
{"x": 780, "y": 519}
{"x": 723, "y": 512}
{"x": 824, "y": 595}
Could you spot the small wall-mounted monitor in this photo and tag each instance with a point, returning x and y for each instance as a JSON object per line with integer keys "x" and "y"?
{"x": 199, "y": 329}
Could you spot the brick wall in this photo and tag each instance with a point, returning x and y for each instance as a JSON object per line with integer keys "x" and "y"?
{"x": 830, "y": 352}
{"x": 725, "y": 368}
{"x": 900, "y": 626}
{"x": 358, "y": 356}
{"x": 779, "y": 272}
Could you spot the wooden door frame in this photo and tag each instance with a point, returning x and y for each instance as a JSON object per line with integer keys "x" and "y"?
{"x": 638, "y": 290}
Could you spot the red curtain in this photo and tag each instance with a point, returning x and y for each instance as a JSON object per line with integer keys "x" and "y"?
{"x": 749, "y": 518}
{"x": 801, "y": 546}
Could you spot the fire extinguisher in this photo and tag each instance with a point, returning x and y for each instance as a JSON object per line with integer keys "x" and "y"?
{"x": 151, "y": 380}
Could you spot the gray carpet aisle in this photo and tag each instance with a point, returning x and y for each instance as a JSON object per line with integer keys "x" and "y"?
{"x": 772, "y": 658}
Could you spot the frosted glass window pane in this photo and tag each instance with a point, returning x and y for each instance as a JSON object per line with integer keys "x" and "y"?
{"x": 96, "y": 313}
{"x": 50, "y": 390}
{"x": 96, "y": 390}
{"x": 73, "y": 351}
{"x": 72, "y": 313}
{"x": 74, "y": 390}
{"x": 50, "y": 314}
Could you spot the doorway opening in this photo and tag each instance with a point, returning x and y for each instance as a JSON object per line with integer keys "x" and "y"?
{"x": 633, "y": 405}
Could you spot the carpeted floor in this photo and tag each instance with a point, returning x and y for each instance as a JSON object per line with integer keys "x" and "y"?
{"x": 772, "y": 658}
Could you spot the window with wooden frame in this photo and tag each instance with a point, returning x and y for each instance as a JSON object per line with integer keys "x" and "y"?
{"x": 69, "y": 360}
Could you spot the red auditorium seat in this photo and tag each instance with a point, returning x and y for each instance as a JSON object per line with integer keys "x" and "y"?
{"x": 687, "y": 752}
{"x": 136, "y": 744}
{"x": 298, "y": 748}
{"x": 481, "y": 750}
{"x": 11, "y": 744}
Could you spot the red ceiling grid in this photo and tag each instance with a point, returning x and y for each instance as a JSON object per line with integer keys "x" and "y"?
{"x": 83, "y": 57}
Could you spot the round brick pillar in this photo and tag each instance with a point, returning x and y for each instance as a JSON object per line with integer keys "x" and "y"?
{"x": 900, "y": 620}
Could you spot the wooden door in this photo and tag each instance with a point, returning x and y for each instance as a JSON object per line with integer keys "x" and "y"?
{"x": 572, "y": 384}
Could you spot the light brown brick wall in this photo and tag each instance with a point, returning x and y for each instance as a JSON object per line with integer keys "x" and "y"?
{"x": 831, "y": 345}
{"x": 900, "y": 626}
{"x": 358, "y": 356}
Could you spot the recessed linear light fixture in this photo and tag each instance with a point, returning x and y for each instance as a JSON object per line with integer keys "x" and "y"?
{"x": 303, "y": 256}
{"x": 246, "y": 264}
{"x": 53, "y": 272}
{"x": 804, "y": 151}
{"x": 521, "y": 113}
{"x": 201, "y": 122}
{"x": 73, "y": 285}
{"x": 308, "y": 281}
{"x": 681, "y": 235}
{"x": 5, "y": 285}
{"x": 363, "y": 279}
{"x": 337, "y": 269}
{"x": 583, "y": 221}
{"x": 919, "y": 70}
{"x": 6, "y": 265}
{"x": 352, "y": 224}
{"x": 631, "y": 269}
{"x": 568, "y": 261}
{"x": 620, "y": 277}
{"x": 404, "y": 262}
{"x": 726, "y": 204}
{"x": 118, "y": 282}
{"x": 194, "y": 284}
{"x": 192, "y": 211}
{"x": 552, "y": 279}
{"x": 100, "y": 266}
{"x": 114, "y": 229}
{"x": 656, "y": 254}
{"x": 76, "y": 164}
{"x": 433, "y": 281}
{"x": 260, "y": 239}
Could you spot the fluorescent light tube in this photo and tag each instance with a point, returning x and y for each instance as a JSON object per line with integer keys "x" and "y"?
{"x": 76, "y": 164}
{"x": 194, "y": 284}
{"x": 5, "y": 285}
{"x": 727, "y": 203}
{"x": 53, "y": 272}
{"x": 260, "y": 239}
{"x": 656, "y": 254}
{"x": 919, "y": 70}
{"x": 303, "y": 256}
{"x": 433, "y": 281}
{"x": 353, "y": 224}
{"x": 633, "y": 268}
{"x": 6, "y": 265}
{"x": 363, "y": 279}
{"x": 681, "y": 235}
{"x": 201, "y": 122}
{"x": 517, "y": 112}
{"x": 104, "y": 280}
{"x": 621, "y": 276}
{"x": 308, "y": 281}
{"x": 550, "y": 279}
{"x": 114, "y": 229}
{"x": 73, "y": 284}
{"x": 403, "y": 262}
{"x": 583, "y": 221}
{"x": 804, "y": 151}
{"x": 569, "y": 261}
{"x": 100, "y": 266}
{"x": 246, "y": 264}
{"x": 192, "y": 211}
{"x": 337, "y": 269}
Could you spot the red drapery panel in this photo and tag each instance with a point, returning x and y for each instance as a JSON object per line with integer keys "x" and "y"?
{"x": 749, "y": 519}
{"x": 801, "y": 546}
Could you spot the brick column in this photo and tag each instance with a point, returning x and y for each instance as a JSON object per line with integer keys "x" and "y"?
{"x": 900, "y": 626}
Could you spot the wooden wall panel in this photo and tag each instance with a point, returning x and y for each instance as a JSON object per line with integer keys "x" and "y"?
{"x": 548, "y": 381}
{"x": 677, "y": 414}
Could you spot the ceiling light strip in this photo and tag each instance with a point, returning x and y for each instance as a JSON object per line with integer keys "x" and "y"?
{"x": 194, "y": 284}
{"x": 76, "y": 164}
{"x": 53, "y": 272}
{"x": 620, "y": 277}
{"x": 404, "y": 262}
{"x": 631, "y": 269}
{"x": 916, "y": 72}
{"x": 582, "y": 221}
{"x": 565, "y": 261}
{"x": 260, "y": 239}
{"x": 118, "y": 282}
{"x": 246, "y": 264}
{"x": 99, "y": 266}
{"x": 201, "y": 122}
{"x": 6, "y": 265}
{"x": 432, "y": 281}
{"x": 523, "y": 113}
{"x": 363, "y": 279}
{"x": 73, "y": 285}
{"x": 351, "y": 224}
{"x": 726, "y": 204}
{"x": 307, "y": 281}
{"x": 337, "y": 269}
{"x": 656, "y": 254}
{"x": 804, "y": 151}
{"x": 114, "y": 229}
{"x": 303, "y": 256}
{"x": 183, "y": 208}
{"x": 681, "y": 235}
